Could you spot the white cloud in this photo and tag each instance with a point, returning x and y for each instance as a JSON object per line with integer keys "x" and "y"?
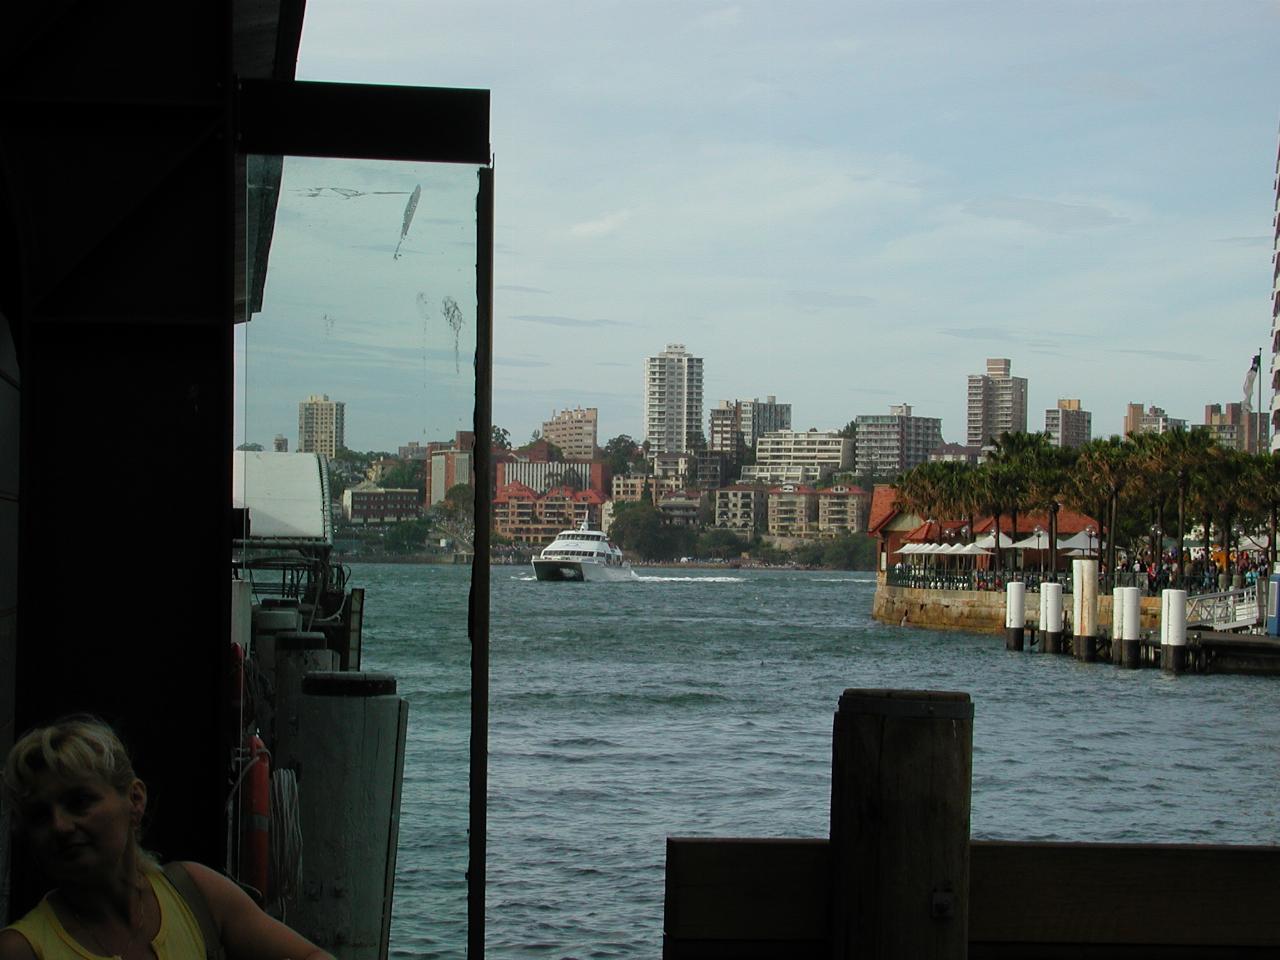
{"x": 602, "y": 226}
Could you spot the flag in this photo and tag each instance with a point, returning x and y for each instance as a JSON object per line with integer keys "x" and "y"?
{"x": 1250, "y": 378}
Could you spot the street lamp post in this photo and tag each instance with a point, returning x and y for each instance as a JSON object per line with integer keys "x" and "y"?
{"x": 1040, "y": 549}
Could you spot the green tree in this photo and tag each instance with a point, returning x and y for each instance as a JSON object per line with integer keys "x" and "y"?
{"x": 459, "y": 500}
{"x": 721, "y": 544}
{"x": 500, "y": 438}
{"x": 619, "y": 452}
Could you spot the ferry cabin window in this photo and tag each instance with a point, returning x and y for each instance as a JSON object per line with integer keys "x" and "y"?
{"x": 362, "y": 362}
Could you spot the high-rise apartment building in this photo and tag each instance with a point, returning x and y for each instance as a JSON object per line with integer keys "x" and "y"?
{"x": 280, "y": 444}
{"x": 321, "y": 427}
{"x": 889, "y": 444}
{"x": 1153, "y": 420}
{"x": 737, "y": 423}
{"x": 1068, "y": 425}
{"x": 573, "y": 431}
{"x": 1274, "y": 375}
{"x": 672, "y": 400}
{"x": 724, "y": 428}
{"x": 997, "y": 403}
{"x": 763, "y": 416}
{"x": 1235, "y": 427}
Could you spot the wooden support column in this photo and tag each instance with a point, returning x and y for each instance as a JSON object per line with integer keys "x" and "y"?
{"x": 902, "y": 764}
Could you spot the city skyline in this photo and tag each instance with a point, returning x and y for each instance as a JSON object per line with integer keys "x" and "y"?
{"x": 851, "y": 206}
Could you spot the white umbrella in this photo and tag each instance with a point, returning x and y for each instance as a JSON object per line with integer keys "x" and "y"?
{"x": 990, "y": 540}
{"x": 974, "y": 550}
{"x": 1078, "y": 541}
{"x": 1033, "y": 542}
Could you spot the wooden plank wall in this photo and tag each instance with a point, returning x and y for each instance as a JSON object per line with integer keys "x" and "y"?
{"x": 1030, "y": 901}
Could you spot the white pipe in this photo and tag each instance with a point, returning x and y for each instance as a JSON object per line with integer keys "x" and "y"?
{"x": 1052, "y": 593}
{"x": 1015, "y": 606}
{"x": 1131, "y": 628}
{"x": 1177, "y": 615}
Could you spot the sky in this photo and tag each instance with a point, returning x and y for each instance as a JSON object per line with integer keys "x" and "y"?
{"x": 846, "y": 205}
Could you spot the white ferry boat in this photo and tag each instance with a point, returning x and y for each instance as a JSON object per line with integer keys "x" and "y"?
{"x": 581, "y": 554}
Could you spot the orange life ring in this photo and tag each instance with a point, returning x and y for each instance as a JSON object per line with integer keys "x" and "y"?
{"x": 255, "y": 816}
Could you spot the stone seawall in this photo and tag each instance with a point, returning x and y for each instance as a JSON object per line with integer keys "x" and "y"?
{"x": 978, "y": 611}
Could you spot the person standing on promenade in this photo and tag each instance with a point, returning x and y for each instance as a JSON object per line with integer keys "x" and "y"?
{"x": 78, "y": 807}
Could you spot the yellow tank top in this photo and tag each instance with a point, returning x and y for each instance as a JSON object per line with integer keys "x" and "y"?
{"x": 178, "y": 938}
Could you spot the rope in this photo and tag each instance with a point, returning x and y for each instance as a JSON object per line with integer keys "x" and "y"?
{"x": 286, "y": 836}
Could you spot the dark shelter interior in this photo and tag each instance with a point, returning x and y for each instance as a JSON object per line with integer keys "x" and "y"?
{"x": 128, "y": 253}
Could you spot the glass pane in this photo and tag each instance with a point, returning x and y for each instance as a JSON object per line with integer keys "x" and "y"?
{"x": 356, "y": 387}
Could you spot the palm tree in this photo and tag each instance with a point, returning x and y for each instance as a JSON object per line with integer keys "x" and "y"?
{"x": 1101, "y": 473}
{"x": 1184, "y": 452}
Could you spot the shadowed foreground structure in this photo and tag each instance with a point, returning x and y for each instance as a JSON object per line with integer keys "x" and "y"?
{"x": 887, "y": 883}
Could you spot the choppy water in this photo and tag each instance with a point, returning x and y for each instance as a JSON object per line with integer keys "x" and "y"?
{"x": 701, "y": 704}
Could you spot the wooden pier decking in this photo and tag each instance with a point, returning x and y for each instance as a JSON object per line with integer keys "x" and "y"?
{"x": 899, "y": 876}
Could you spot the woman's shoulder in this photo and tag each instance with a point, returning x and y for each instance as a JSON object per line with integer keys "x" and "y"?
{"x": 15, "y": 946}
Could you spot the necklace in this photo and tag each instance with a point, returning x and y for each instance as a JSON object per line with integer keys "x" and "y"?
{"x": 134, "y": 928}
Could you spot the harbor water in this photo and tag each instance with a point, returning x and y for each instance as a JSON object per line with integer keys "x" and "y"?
{"x": 700, "y": 703}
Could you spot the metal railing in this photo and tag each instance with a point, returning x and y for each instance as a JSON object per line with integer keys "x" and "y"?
{"x": 1228, "y": 610}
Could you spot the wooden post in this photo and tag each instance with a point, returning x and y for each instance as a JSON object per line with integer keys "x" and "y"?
{"x": 902, "y": 763}
{"x": 1015, "y": 614}
{"x": 1085, "y": 643}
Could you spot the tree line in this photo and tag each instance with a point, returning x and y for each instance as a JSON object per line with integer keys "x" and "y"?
{"x": 1140, "y": 489}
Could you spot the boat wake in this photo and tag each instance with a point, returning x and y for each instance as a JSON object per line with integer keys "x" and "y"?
{"x": 644, "y": 579}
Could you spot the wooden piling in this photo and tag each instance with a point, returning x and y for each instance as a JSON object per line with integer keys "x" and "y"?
{"x": 902, "y": 763}
{"x": 1015, "y": 614}
{"x": 1085, "y": 643}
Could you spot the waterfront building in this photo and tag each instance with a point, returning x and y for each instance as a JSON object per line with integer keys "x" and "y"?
{"x": 573, "y": 431}
{"x": 715, "y": 470}
{"x": 793, "y": 511}
{"x": 450, "y": 464}
{"x": 1068, "y": 425}
{"x": 680, "y": 507}
{"x": 786, "y": 456}
{"x": 997, "y": 403}
{"x": 842, "y": 509}
{"x": 321, "y": 425}
{"x": 1152, "y": 420}
{"x": 957, "y": 452}
{"x": 886, "y": 445}
{"x": 672, "y": 400}
{"x": 741, "y": 507}
{"x": 526, "y": 516}
{"x": 280, "y": 444}
{"x": 369, "y": 503}
{"x": 724, "y": 429}
{"x": 1236, "y": 427}
{"x": 543, "y": 475}
{"x": 630, "y": 488}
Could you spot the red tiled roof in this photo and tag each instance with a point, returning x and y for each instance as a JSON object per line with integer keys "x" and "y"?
{"x": 884, "y": 506}
{"x": 1069, "y": 522}
{"x": 515, "y": 491}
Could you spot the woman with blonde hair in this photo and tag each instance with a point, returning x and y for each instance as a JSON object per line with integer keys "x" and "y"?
{"x": 78, "y": 806}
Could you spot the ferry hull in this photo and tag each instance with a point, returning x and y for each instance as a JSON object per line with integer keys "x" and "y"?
{"x": 576, "y": 572}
